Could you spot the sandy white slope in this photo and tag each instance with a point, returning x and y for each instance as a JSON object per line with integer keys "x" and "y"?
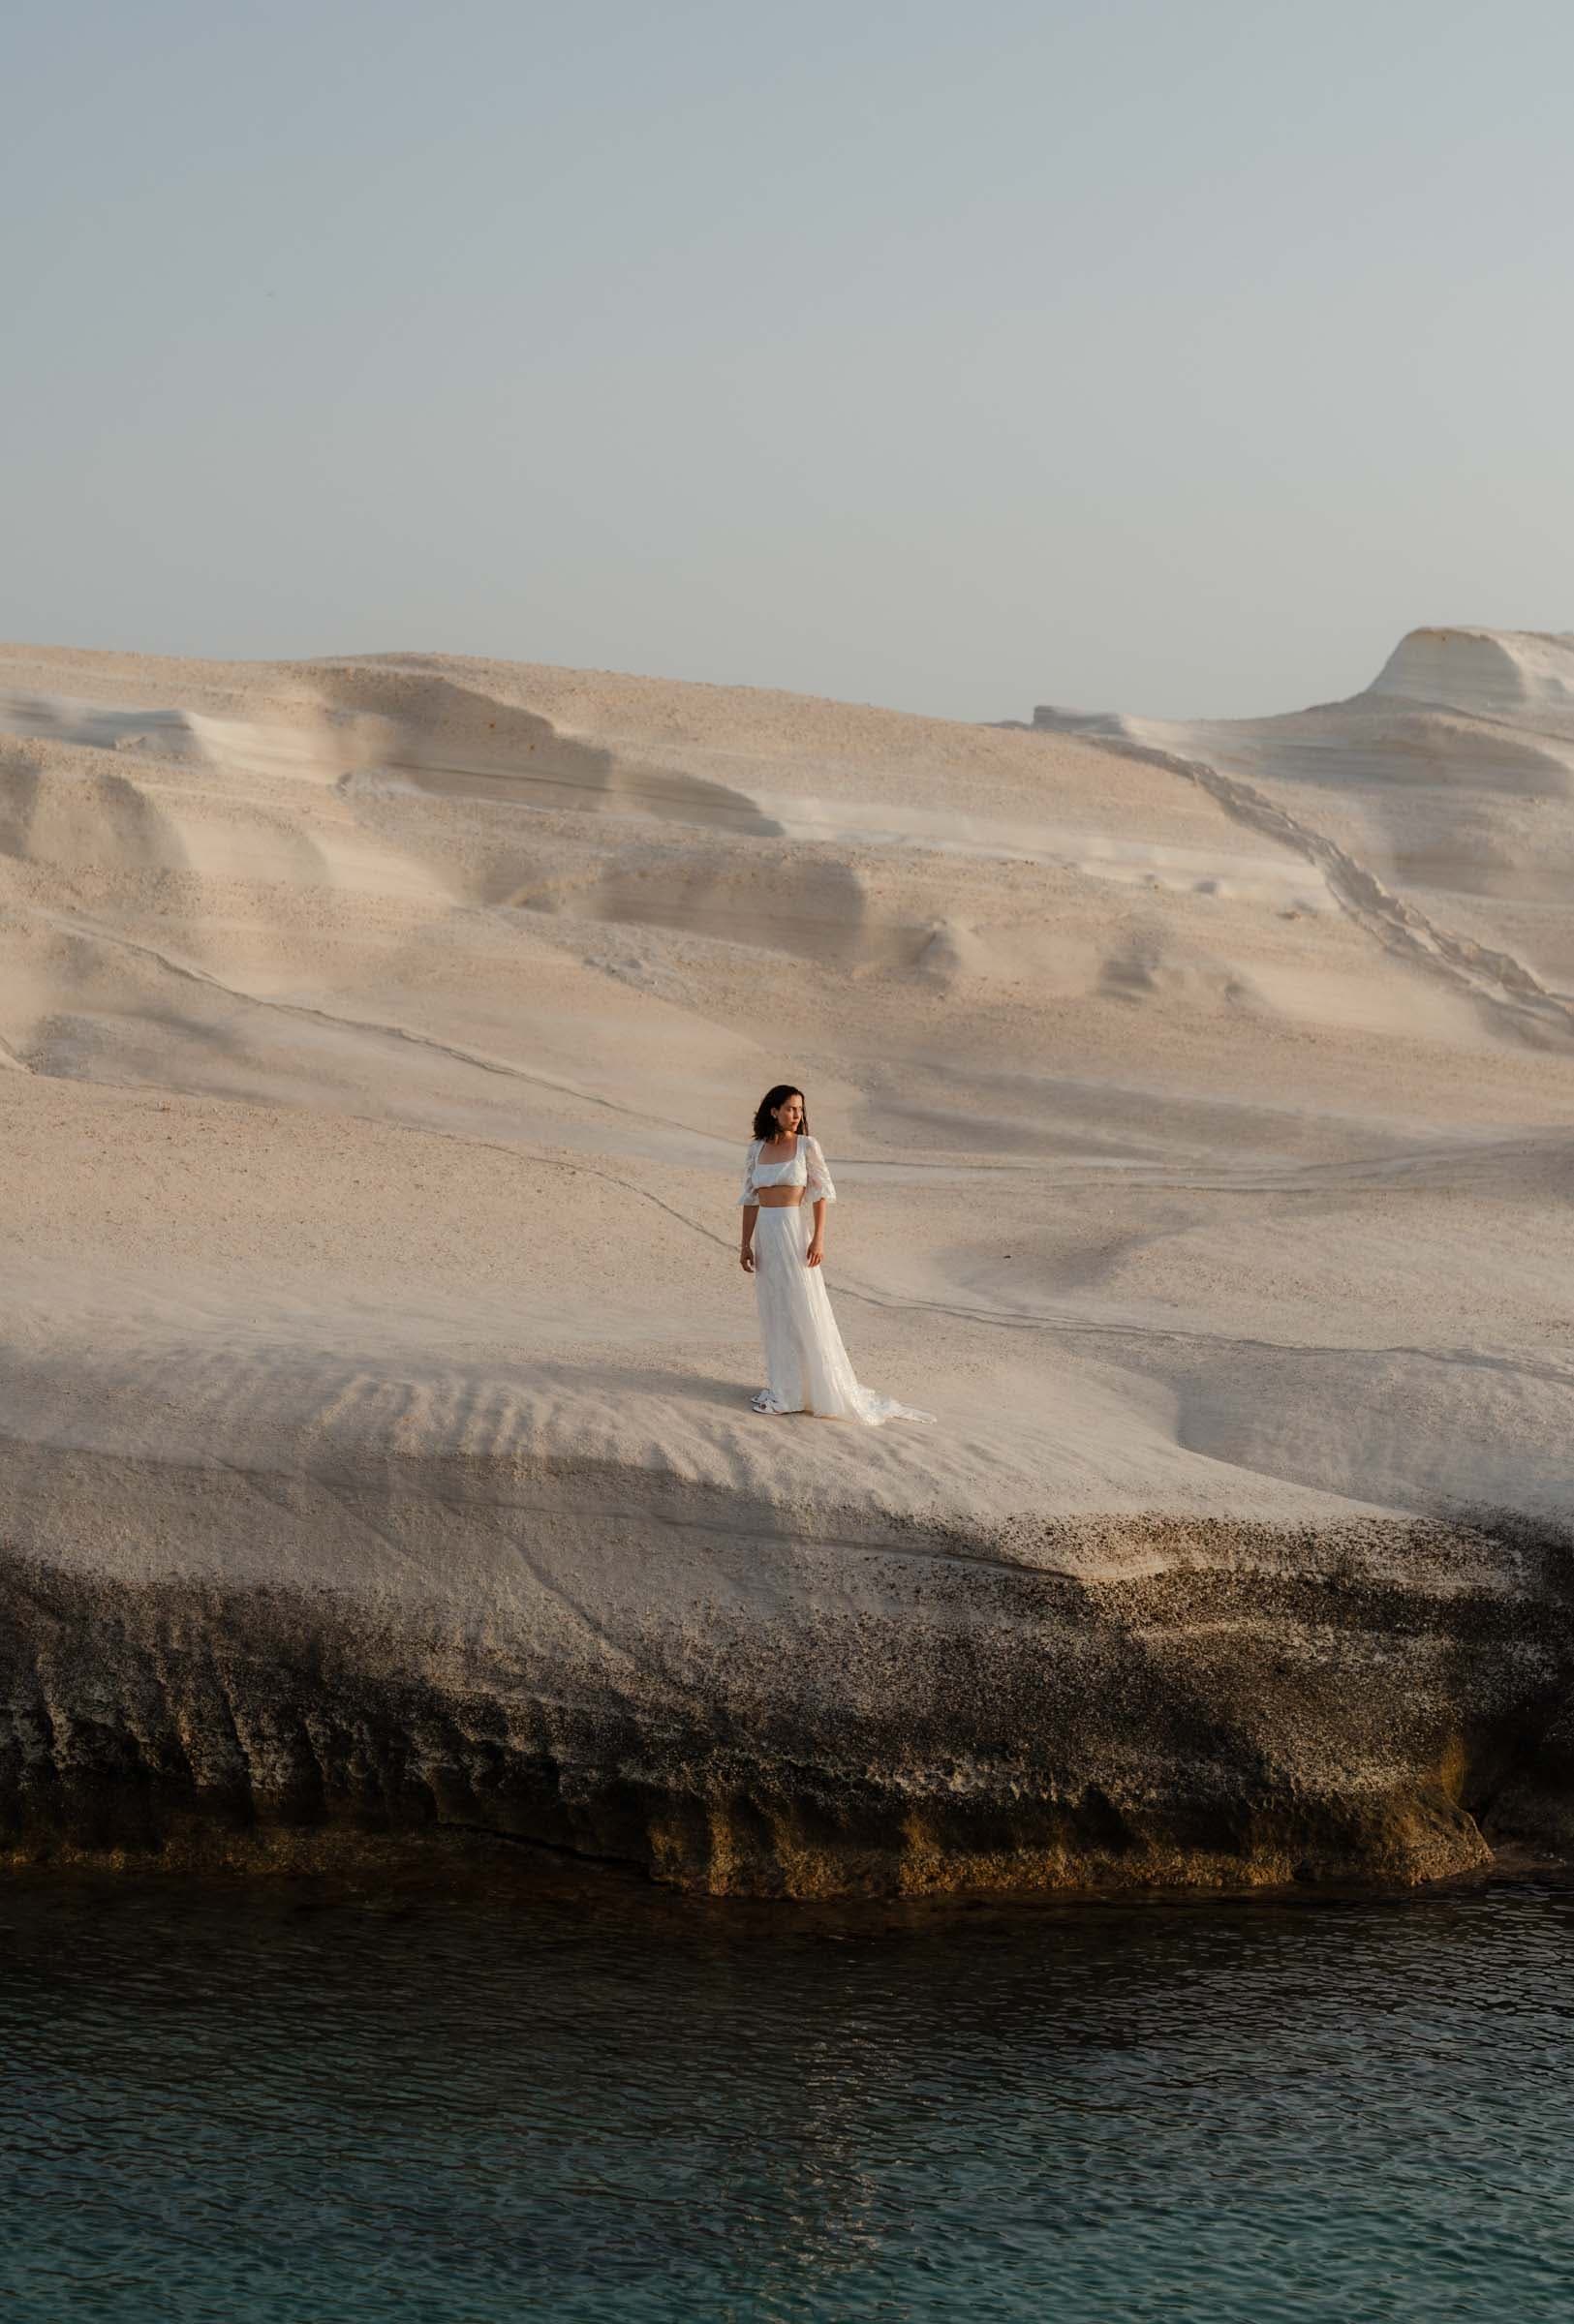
{"x": 1446, "y": 789}
{"x": 396, "y": 1023}
{"x": 378, "y": 1040}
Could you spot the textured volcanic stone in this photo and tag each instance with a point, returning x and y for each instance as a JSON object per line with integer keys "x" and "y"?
{"x": 858, "y": 1706}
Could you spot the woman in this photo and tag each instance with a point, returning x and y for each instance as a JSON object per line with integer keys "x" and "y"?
{"x": 806, "y": 1365}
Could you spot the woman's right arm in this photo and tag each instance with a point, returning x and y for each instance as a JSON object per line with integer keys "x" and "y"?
{"x": 749, "y": 1202}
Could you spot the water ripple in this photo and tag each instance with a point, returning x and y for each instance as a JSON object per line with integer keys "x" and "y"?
{"x": 263, "y": 2106}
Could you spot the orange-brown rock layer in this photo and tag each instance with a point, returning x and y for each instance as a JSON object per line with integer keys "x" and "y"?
{"x": 914, "y": 1718}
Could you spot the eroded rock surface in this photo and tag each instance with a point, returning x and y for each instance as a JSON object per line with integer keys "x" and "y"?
{"x": 378, "y": 1042}
{"x": 755, "y": 1697}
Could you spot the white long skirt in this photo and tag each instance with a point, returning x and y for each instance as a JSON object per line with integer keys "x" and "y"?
{"x": 806, "y": 1366}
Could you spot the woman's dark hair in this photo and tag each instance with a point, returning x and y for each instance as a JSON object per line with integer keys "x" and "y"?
{"x": 764, "y": 1121}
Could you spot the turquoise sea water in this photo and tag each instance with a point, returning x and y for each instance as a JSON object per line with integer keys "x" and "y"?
{"x": 283, "y": 2102}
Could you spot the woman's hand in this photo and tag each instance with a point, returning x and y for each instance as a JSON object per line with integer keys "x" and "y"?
{"x": 746, "y": 1259}
{"x": 816, "y": 1252}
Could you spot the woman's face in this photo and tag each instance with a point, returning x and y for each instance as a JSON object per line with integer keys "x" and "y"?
{"x": 790, "y": 1117}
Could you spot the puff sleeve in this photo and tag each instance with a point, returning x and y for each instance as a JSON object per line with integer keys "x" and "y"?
{"x": 820, "y": 1188}
{"x": 749, "y": 1200}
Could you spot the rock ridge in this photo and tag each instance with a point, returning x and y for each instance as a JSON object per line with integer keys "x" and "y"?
{"x": 742, "y": 1703}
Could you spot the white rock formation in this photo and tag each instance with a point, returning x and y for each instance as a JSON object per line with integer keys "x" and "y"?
{"x": 375, "y": 1445}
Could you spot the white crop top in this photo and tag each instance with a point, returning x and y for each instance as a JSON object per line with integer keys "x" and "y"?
{"x": 805, "y": 1166}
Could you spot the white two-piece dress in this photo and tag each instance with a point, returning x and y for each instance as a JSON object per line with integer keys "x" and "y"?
{"x": 806, "y": 1366}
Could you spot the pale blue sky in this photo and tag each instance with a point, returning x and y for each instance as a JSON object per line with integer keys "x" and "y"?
{"x": 1172, "y": 355}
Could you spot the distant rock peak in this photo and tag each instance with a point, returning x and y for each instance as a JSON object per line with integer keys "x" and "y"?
{"x": 1492, "y": 672}
{"x": 1511, "y": 674}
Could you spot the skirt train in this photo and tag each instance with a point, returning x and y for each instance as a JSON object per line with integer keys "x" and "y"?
{"x": 807, "y": 1369}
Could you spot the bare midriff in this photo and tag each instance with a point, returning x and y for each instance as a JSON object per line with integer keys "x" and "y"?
{"x": 778, "y": 1197}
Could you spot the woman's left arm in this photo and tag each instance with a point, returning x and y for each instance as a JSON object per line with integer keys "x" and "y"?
{"x": 821, "y": 1192}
